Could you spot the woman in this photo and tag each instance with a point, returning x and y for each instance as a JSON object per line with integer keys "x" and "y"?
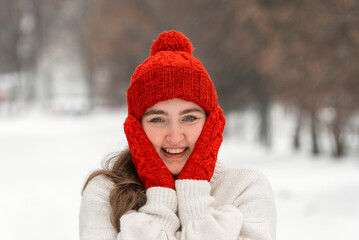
{"x": 169, "y": 185}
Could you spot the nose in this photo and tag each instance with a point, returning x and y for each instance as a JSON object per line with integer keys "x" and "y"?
{"x": 175, "y": 133}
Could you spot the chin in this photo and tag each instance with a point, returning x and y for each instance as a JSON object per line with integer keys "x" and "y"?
{"x": 175, "y": 170}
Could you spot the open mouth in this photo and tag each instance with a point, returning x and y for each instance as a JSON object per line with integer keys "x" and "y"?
{"x": 174, "y": 152}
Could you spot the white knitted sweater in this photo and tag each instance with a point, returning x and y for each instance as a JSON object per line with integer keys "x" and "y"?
{"x": 236, "y": 204}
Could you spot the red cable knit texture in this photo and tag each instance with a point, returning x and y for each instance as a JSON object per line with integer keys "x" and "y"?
{"x": 200, "y": 164}
{"x": 150, "y": 167}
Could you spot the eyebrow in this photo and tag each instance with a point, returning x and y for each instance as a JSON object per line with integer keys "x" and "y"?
{"x": 190, "y": 110}
{"x": 155, "y": 112}
{"x": 152, "y": 112}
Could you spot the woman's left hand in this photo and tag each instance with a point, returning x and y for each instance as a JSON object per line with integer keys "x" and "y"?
{"x": 200, "y": 164}
{"x": 200, "y": 216}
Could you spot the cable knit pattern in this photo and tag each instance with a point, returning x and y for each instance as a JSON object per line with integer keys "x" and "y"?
{"x": 200, "y": 164}
{"x": 235, "y": 204}
{"x": 150, "y": 168}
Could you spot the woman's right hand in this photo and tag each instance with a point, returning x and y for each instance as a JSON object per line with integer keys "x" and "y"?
{"x": 150, "y": 167}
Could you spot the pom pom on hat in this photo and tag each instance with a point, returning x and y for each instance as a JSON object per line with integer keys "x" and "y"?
{"x": 171, "y": 41}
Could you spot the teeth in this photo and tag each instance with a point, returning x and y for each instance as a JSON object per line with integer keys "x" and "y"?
{"x": 174, "y": 151}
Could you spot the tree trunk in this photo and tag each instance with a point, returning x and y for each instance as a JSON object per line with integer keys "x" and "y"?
{"x": 313, "y": 130}
{"x": 298, "y": 127}
{"x": 339, "y": 146}
{"x": 264, "y": 127}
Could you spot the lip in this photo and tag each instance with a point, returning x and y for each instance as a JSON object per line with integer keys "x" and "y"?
{"x": 175, "y": 155}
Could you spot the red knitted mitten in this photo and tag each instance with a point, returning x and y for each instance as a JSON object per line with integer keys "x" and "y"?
{"x": 200, "y": 164}
{"x": 150, "y": 167}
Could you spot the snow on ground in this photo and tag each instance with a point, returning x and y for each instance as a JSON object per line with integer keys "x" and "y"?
{"x": 45, "y": 160}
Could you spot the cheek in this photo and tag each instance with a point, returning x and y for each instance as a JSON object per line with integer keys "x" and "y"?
{"x": 193, "y": 135}
{"x": 155, "y": 137}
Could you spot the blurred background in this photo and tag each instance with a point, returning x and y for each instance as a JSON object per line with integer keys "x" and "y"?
{"x": 287, "y": 77}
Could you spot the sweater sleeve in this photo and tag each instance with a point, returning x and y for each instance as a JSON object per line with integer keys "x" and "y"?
{"x": 256, "y": 202}
{"x": 95, "y": 211}
{"x": 250, "y": 216}
{"x": 199, "y": 216}
{"x": 155, "y": 220}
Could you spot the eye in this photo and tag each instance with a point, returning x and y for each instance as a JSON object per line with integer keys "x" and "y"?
{"x": 190, "y": 118}
{"x": 156, "y": 120}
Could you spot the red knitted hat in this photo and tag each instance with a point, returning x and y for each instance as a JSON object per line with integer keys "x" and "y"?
{"x": 170, "y": 72}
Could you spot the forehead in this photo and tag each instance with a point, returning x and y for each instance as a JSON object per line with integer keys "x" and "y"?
{"x": 174, "y": 104}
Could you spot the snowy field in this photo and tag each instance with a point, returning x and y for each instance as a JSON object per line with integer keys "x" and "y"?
{"x": 45, "y": 160}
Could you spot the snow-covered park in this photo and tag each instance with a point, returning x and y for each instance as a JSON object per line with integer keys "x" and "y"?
{"x": 45, "y": 160}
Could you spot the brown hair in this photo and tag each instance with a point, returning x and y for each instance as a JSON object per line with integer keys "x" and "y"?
{"x": 128, "y": 192}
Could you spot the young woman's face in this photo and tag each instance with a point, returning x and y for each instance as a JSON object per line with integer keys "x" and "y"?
{"x": 173, "y": 127}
